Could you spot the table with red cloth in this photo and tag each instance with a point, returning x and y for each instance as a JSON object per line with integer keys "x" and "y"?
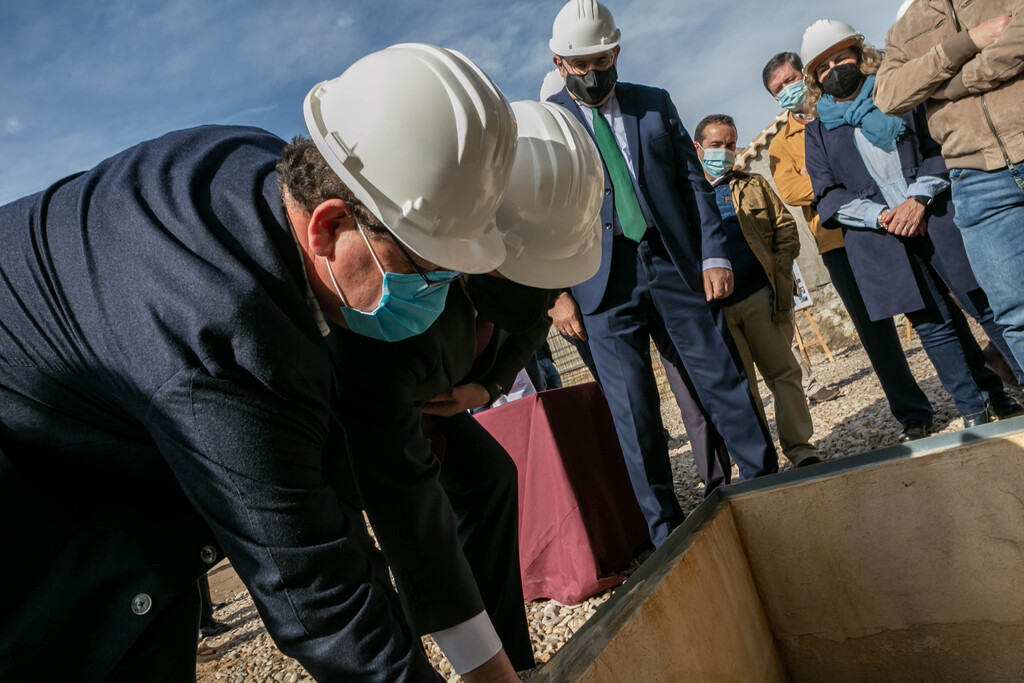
{"x": 578, "y": 519}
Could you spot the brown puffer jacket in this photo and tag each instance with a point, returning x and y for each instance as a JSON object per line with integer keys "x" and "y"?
{"x": 981, "y": 125}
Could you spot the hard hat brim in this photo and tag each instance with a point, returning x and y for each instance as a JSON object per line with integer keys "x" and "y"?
{"x": 583, "y": 51}
{"x": 555, "y": 274}
{"x": 810, "y": 66}
{"x": 475, "y": 256}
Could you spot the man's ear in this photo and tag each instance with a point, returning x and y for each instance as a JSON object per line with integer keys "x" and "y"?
{"x": 329, "y": 220}
{"x": 558, "y": 64}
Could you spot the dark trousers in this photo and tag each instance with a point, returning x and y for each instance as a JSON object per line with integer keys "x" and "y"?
{"x": 709, "y": 452}
{"x": 946, "y": 336}
{"x": 881, "y": 343}
{"x": 582, "y": 347}
{"x": 647, "y": 297}
{"x": 483, "y": 486}
{"x": 205, "y": 601}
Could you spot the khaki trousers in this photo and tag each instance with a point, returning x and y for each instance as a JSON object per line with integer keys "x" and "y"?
{"x": 766, "y": 343}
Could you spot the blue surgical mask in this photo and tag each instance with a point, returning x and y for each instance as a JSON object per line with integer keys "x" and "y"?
{"x": 407, "y": 307}
{"x": 718, "y": 161}
{"x": 792, "y": 96}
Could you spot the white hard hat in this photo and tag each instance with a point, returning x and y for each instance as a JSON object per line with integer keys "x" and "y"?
{"x": 583, "y": 27}
{"x": 553, "y": 83}
{"x": 550, "y": 217}
{"x": 426, "y": 141}
{"x": 824, "y": 37}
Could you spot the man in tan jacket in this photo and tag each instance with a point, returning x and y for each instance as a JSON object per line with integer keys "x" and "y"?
{"x": 965, "y": 61}
{"x": 762, "y": 241}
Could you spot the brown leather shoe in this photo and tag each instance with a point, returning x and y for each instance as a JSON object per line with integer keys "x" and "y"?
{"x": 822, "y": 395}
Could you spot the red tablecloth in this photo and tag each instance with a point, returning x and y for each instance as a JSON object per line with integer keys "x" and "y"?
{"x": 578, "y": 518}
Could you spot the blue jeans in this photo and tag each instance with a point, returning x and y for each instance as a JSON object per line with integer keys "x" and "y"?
{"x": 990, "y": 215}
{"x": 947, "y": 338}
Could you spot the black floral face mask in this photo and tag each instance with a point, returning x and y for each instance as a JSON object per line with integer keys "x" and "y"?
{"x": 592, "y": 87}
{"x": 842, "y": 81}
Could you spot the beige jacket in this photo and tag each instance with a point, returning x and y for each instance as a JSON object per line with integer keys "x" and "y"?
{"x": 770, "y": 230}
{"x": 981, "y": 125}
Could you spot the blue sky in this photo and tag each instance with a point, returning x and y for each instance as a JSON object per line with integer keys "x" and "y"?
{"x": 83, "y": 80}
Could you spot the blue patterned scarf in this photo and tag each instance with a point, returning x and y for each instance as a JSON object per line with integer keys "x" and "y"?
{"x": 881, "y": 130}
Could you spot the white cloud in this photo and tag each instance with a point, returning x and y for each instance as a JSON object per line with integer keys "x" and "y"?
{"x": 12, "y": 125}
{"x": 344, "y": 20}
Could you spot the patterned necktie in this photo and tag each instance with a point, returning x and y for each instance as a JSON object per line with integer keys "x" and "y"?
{"x": 631, "y": 218}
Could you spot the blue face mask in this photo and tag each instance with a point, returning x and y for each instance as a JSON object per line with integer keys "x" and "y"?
{"x": 792, "y": 96}
{"x": 409, "y": 303}
{"x": 718, "y": 161}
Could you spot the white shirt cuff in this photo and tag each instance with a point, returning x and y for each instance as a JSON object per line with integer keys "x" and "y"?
{"x": 470, "y": 644}
{"x": 716, "y": 263}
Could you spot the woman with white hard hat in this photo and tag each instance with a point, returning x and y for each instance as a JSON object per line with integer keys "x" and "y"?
{"x": 882, "y": 180}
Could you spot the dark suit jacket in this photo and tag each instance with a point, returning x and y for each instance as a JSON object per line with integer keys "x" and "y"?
{"x": 381, "y": 388}
{"x": 163, "y": 388}
{"x": 879, "y": 260}
{"x": 672, "y": 181}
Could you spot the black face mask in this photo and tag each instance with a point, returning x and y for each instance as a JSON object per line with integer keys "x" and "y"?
{"x": 842, "y": 81}
{"x": 592, "y": 87}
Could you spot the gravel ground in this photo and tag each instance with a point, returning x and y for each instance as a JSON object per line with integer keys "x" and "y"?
{"x": 857, "y": 421}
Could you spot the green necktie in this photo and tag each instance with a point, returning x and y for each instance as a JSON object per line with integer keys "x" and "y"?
{"x": 631, "y": 218}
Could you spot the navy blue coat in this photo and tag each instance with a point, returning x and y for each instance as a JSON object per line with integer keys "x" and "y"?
{"x": 672, "y": 181}
{"x": 164, "y": 393}
{"x": 879, "y": 259}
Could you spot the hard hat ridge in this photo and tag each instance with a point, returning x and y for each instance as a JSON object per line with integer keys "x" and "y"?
{"x": 583, "y": 27}
{"x": 550, "y": 215}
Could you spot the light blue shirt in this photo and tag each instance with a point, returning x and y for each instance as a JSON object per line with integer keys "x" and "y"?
{"x": 613, "y": 114}
{"x": 887, "y": 172}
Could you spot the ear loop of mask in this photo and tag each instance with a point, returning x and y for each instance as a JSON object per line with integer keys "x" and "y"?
{"x": 376, "y": 260}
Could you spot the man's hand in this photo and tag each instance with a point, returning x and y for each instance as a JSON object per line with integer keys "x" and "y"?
{"x": 497, "y": 669}
{"x": 565, "y": 316}
{"x": 906, "y": 220}
{"x": 988, "y": 32}
{"x": 457, "y": 400}
{"x": 717, "y": 283}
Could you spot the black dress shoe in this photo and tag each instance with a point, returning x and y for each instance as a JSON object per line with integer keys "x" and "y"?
{"x": 1003, "y": 406}
{"x": 914, "y": 430}
{"x": 809, "y": 460}
{"x": 212, "y": 627}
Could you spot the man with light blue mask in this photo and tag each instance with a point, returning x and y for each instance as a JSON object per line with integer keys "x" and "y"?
{"x": 762, "y": 241}
{"x": 166, "y": 392}
{"x": 409, "y": 302}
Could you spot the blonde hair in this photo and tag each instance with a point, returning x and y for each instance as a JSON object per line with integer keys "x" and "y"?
{"x": 868, "y": 61}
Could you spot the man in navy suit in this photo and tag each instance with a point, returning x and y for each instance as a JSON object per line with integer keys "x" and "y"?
{"x": 165, "y": 388}
{"x": 663, "y": 267}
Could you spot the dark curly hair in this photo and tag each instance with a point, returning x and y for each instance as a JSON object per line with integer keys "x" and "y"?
{"x": 303, "y": 172}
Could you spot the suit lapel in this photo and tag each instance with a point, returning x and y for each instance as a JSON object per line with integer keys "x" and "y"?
{"x": 564, "y": 99}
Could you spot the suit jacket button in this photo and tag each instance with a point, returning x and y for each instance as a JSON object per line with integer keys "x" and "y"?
{"x": 607, "y": 226}
{"x": 607, "y": 191}
{"x": 208, "y": 554}
{"x": 141, "y": 604}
